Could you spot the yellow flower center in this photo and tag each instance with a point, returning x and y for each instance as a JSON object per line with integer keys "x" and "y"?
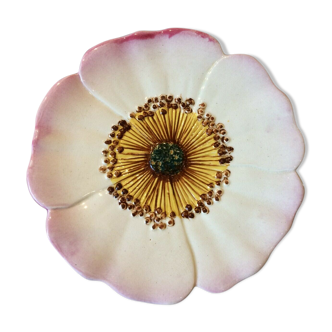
{"x": 167, "y": 160}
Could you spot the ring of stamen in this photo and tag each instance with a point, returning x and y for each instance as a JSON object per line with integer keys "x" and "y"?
{"x": 167, "y": 160}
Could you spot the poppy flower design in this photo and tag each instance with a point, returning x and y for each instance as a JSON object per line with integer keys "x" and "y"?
{"x": 165, "y": 164}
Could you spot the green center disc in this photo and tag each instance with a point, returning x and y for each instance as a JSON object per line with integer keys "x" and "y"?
{"x": 167, "y": 159}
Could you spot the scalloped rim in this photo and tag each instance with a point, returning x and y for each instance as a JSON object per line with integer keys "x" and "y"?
{"x": 300, "y": 124}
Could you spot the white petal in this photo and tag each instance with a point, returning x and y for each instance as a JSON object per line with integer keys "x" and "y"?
{"x": 103, "y": 242}
{"x": 122, "y": 72}
{"x": 236, "y": 238}
{"x": 258, "y": 117}
{"x": 71, "y": 128}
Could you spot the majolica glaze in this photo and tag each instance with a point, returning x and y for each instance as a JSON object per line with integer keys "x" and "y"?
{"x": 155, "y": 178}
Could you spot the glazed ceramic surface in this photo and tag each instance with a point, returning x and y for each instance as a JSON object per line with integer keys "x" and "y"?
{"x": 248, "y": 174}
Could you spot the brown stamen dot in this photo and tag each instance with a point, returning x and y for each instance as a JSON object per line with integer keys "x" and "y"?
{"x": 105, "y": 152}
{"x": 205, "y": 209}
{"x": 184, "y": 214}
{"x": 222, "y": 132}
{"x": 108, "y": 141}
{"x": 106, "y": 160}
{"x": 162, "y": 225}
{"x": 151, "y": 113}
{"x": 152, "y": 215}
{"x": 116, "y": 194}
{"x": 140, "y": 117}
{"x": 171, "y": 223}
{"x": 118, "y": 186}
{"x": 217, "y": 198}
{"x": 122, "y": 123}
{"x": 200, "y": 111}
{"x": 203, "y": 105}
{"x": 157, "y": 219}
{"x": 197, "y": 209}
{"x": 189, "y": 207}
{"x": 154, "y": 106}
{"x": 163, "y": 112}
{"x": 122, "y": 199}
{"x": 209, "y": 132}
{"x": 205, "y": 122}
{"x": 123, "y": 206}
{"x": 147, "y": 220}
{"x": 115, "y": 128}
{"x": 219, "y": 175}
{"x": 111, "y": 147}
{"x": 147, "y": 208}
{"x": 117, "y": 174}
{"x": 222, "y": 152}
{"x": 110, "y": 189}
{"x": 204, "y": 197}
{"x": 102, "y": 169}
{"x": 227, "y": 172}
{"x": 172, "y": 214}
{"x": 132, "y": 115}
{"x": 120, "y": 149}
{"x": 113, "y": 161}
{"x": 115, "y": 142}
{"x": 130, "y": 206}
{"x": 169, "y": 98}
{"x": 127, "y": 127}
{"x": 109, "y": 175}
{"x": 211, "y": 185}
{"x": 226, "y": 181}
{"x": 110, "y": 168}
{"x": 218, "y": 183}
{"x": 146, "y": 107}
{"x": 210, "y": 193}
{"x": 129, "y": 198}
{"x": 219, "y": 192}
{"x": 139, "y": 109}
{"x": 112, "y": 134}
{"x": 136, "y": 201}
{"x": 154, "y": 226}
{"x": 158, "y": 210}
{"x": 134, "y": 213}
{"x": 220, "y": 126}
{"x": 191, "y": 215}
{"x": 208, "y": 115}
{"x": 224, "y": 139}
{"x": 145, "y": 114}
{"x": 209, "y": 201}
{"x": 124, "y": 192}
{"x": 112, "y": 154}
